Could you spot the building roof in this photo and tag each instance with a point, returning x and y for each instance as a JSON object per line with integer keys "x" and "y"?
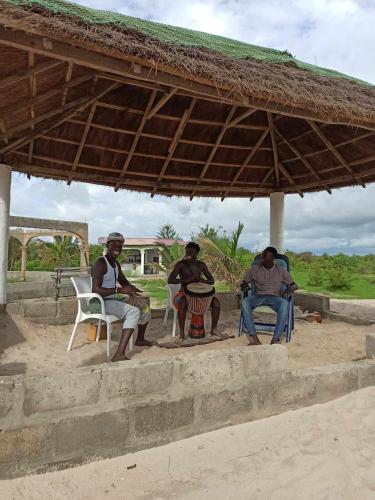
{"x": 140, "y": 242}
{"x": 101, "y": 97}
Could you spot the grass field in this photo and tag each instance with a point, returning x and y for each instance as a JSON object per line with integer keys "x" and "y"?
{"x": 157, "y": 291}
{"x": 362, "y": 286}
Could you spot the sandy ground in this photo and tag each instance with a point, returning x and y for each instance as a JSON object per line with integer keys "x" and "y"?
{"x": 322, "y": 452}
{"x": 29, "y": 347}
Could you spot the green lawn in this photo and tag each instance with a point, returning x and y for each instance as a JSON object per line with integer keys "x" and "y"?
{"x": 362, "y": 286}
{"x": 157, "y": 291}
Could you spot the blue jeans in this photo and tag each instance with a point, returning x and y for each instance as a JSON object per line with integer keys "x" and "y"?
{"x": 278, "y": 304}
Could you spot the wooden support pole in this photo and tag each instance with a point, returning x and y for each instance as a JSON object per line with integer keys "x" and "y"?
{"x": 274, "y": 148}
{"x": 136, "y": 139}
{"x": 334, "y": 151}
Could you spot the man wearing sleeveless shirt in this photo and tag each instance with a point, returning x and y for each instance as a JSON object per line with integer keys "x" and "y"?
{"x": 106, "y": 275}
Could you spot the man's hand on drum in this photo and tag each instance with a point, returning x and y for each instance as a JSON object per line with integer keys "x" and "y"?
{"x": 129, "y": 290}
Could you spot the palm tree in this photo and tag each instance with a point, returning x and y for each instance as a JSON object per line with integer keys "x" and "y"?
{"x": 63, "y": 251}
{"x": 222, "y": 254}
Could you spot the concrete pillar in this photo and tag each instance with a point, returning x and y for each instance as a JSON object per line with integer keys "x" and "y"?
{"x": 160, "y": 261}
{"x": 84, "y": 255}
{"x": 23, "y": 261}
{"x": 142, "y": 262}
{"x": 5, "y": 183}
{"x": 277, "y": 221}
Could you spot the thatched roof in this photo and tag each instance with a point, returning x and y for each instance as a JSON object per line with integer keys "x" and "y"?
{"x": 105, "y": 98}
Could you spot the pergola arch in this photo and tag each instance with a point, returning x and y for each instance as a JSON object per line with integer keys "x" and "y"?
{"x": 44, "y": 227}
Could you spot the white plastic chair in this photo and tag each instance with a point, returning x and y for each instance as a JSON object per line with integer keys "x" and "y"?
{"x": 172, "y": 291}
{"x": 83, "y": 288}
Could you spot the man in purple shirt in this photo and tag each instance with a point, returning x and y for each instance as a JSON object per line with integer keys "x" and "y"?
{"x": 268, "y": 279}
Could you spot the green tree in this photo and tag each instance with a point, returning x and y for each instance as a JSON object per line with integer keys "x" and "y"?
{"x": 63, "y": 251}
{"x": 14, "y": 254}
{"x": 167, "y": 232}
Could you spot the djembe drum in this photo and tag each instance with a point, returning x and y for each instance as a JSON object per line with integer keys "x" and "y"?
{"x": 198, "y": 297}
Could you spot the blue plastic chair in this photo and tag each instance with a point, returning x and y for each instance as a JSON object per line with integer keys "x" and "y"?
{"x": 282, "y": 261}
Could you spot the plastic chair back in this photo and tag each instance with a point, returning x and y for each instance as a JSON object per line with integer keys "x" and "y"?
{"x": 172, "y": 291}
{"x": 83, "y": 285}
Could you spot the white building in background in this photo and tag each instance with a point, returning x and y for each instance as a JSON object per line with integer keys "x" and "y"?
{"x": 143, "y": 253}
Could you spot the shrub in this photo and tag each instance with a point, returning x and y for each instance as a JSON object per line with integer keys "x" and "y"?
{"x": 338, "y": 278}
{"x": 316, "y": 274}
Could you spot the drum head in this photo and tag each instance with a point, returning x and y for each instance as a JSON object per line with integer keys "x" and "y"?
{"x": 200, "y": 288}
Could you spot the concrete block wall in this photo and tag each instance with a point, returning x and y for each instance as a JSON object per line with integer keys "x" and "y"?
{"x": 64, "y": 418}
{"x": 370, "y": 346}
{"x": 63, "y": 311}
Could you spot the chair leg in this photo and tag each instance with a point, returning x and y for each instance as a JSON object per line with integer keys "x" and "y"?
{"x": 166, "y": 316}
{"x": 109, "y": 333}
{"x": 174, "y": 323}
{"x": 73, "y": 335}
{"x": 98, "y": 330}
{"x": 240, "y": 328}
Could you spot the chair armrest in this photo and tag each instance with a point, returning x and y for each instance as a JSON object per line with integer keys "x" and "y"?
{"x": 92, "y": 295}
{"x": 245, "y": 292}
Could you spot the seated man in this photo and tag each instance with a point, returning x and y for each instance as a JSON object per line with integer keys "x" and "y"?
{"x": 191, "y": 270}
{"x": 268, "y": 279}
{"x": 106, "y": 273}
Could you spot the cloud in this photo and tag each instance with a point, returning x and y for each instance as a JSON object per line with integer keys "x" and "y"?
{"x": 337, "y": 34}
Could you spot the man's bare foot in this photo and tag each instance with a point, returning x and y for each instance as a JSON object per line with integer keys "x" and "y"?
{"x": 215, "y": 332}
{"x": 144, "y": 343}
{"x": 119, "y": 357}
{"x": 254, "y": 340}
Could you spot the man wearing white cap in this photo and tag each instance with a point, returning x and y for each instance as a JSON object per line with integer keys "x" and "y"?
{"x": 106, "y": 275}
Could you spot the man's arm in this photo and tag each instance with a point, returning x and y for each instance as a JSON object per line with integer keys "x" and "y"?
{"x": 126, "y": 287}
{"x": 288, "y": 280}
{"x": 209, "y": 278}
{"x": 172, "y": 278}
{"x": 247, "y": 278}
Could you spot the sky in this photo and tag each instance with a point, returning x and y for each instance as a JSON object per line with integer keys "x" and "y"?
{"x": 337, "y": 34}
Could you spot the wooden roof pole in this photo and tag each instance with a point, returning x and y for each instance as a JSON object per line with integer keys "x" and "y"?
{"x": 286, "y": 174}
{"x": 324, "y": 150}
{"x": 334, "y": 151}
{"x": 38, "y": 99}
{"x": 65, "y": 112}
{"x": 32, "y": 91}
{"x": 174, "y": 143}
{"x": 161, "y": 102}
{"x": 136, "y": 138}
{"x": 38, "y": 68}
{"x": 219, "y": 138}
{"x": 83, "y": 140}
{"x": 248, "y": 159}
{"x": 302, "y": 158}
{"x": 68, "y": 77}
{"x": 274, "y": 148}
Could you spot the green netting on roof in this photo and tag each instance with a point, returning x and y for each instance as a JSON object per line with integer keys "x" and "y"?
{"x": 179, "y": 36}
